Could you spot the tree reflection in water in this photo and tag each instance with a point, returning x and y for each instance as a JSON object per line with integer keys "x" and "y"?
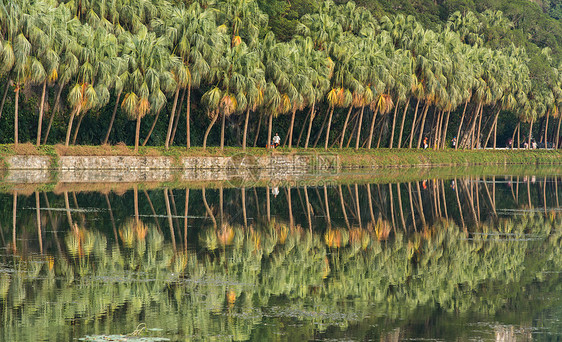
{"x": 374, "y": 261}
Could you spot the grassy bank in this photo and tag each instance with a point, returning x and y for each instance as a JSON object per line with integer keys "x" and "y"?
{"x": 349, "y": 158}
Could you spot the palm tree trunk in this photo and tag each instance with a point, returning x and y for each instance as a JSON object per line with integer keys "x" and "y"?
{"x": 257, "y": 131}
{"x": 328, "y": 129}
{"x": 112, "y": 118}
{"x": 269, "y": 129}
{"x": 312, "y": 114}
{"x": 444, "y": 136}
{"x": 359, "y": 126}
{"x": 69, "y": 128}
{"x": 393, "y": 126}
{"x": 513, "y": 136}
{"x": 422, "y": 123}
{"x": 460, "y": 125}
{"x": 436, "y": 140}
{"x": 8, "y": 84}
{"x": 53, "y": 112}
{"x": 207, "y": 208}
{"x": 345, "y": 126}
{"x": 14, "y": 221}
{"x": 151, "y": 129}
{"x": 213, "y": 120}
{"x": 303, "y": 127}
{"x": 546, "y": 129}
{"x": 177, "y": 118}
{"x": 480, "y": 126}
{"x": 474, "y": 124}
{"x": 137, "y": 134}
{"x": 244, "y": 136}
{"x": 414, "y": 124}
{"x": 16, "y": 116}
{"x": 492, "y": 129}
{"x": 169, "y": 216}
{"x": 319, "y": 133}
{"x": 223, "y": 123}
{"x": 77, "y": 129}
{"x": 371, "y": 131}
{"x": 171, "y": 121}
{"x": 41, "y": 107}
{"x": 188, "y": 116}
{"x": 558, "y": 131}
{"x": 530, "y": 132}
{"x": 291, "y": 128}
{"x": 244, "y": 215}
{"x": 402, "y": 124}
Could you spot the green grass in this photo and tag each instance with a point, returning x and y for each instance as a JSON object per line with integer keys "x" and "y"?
{"x": 348, "y": 158}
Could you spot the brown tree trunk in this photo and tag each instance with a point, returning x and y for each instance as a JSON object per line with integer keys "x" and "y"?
{"x": 558, "y": 131}
{"x": 188, "y": 116}
{"x": 444, "y": 136}
{"x": 303, "y": 127}
{"x": 213, "y": 120}
{"x": 458, "y": 136}
{"x": 291, "y": 128}
{"x": 414, "y": 124}
{"x": 422, "y": 124}
{"x": 223, "y": 122}
{"x": 345, "y": 126}
{"x": 171, "y": 121}
{"x": 371, "y": 131}
{"x": 513, "y": 136}
{"x": 393, "y": 125}
{"x": 312, "y": 114}
{"x": 178, "y": 115}
{"x": 328, "y": 129}
{"x": 53, "y": 112}
{"x": 112, "y": 118}
{"x": 41, "y": 107}
{"x": 269, "y": 129}
{"x": 402, "y": 124}
{"x": 77, "y": 129}
{"x": 69, "y": 128}
{"x": 151, "y": 129}
{"x": 546, "y": 130}
{"x": 137, "y": 134}
{"x": 16, "y": 139}
{"x": 257, "y": 131}
{"x": 359, "y": 127}
{"x": 169, "y": 216}
{"x": 244, "y": 136}
{"x": 530, "y": 133}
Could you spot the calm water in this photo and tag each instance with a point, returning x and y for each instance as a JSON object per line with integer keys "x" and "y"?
{"x": 475, "y": 258}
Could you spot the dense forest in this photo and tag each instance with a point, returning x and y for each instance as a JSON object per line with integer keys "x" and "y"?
{"x": 371, "y": 74}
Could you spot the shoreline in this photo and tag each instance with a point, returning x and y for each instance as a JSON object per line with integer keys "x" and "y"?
{"x": 295, "y": 161}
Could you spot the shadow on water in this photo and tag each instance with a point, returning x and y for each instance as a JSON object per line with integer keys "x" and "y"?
{"x": 437, "y": 258}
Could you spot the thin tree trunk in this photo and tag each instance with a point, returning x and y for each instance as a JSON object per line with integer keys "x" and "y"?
{"x": 185, "y": 226}
{"x": 269, "y": 129}
{"x": 460, "y": 126}
{"x": 312, "y": 114}
{"x": 558, "y": 131}
{"x": 245, "y": 129}
{"x": 137, "y": 134}
{"x": 345, "y": 126}
{"x": 412, "y": 206}
{"x": 151, "y": 129}
{"x": 342, "y": 203}
{"x": 16, "y": 140}
{"x": 77, "y": 129}
{"x": 359, "y": 127}
{"x": 546, "y": 130}
{"x": 513, "y": 136}
{"x": 41, "y": 108}
{"x": 207, "y": 208}
{"x": 38, "y": 219}
{"x": 303, "y": 127}
{"x": 178, "y": 115}
{"x": 69, "y": 128}
{"x": 328, "y": 218}
{"x": 319, "y": 133}
{"x": 308, "y": 209}
{"x": 478, "y": 136}
{"x": 223, "y": 122}
{"x": 371, "y": 131}
{"x": 328, "y": 129}
{"x": 492, "y": 129}
{"x": 474, "y": 124}
{"x": 213, "y": 120}
{"x": 268, "y": 204}
{"x": 530, "y": 133}
{"x": 422, "y": 123}
{"x": 188, "y": 116}
{"x": 14, "y": 221}
{"x": 171, "y": 121}
{"x": 414, "y": 124}
{"x": 170, "y": 221}
{"x": 257, "y": 131}
{"x": 291, "y": 128}
{"x": 444, "y": 136}
{"x": 112, "y": 118}
{"x": 436, "y": 138}
{"x": 393, "y": 126}
{"x": 53, "y": 113}
{"x": 245, "y": 217}
{"x": 402, "y": 124}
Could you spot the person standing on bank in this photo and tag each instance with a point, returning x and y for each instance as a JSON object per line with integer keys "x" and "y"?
{"x": 276, "y": 140}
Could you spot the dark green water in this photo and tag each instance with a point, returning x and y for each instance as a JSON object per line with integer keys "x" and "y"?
{"x": 467, "y": 259}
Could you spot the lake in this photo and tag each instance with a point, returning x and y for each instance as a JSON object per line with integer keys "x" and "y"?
{"x": 398, "y": 255}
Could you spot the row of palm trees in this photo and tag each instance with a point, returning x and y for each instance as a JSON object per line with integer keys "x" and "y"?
{"x": 344, "y": 65}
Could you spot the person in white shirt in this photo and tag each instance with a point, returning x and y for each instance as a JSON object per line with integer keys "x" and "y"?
{"x": 276, "y": 140}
